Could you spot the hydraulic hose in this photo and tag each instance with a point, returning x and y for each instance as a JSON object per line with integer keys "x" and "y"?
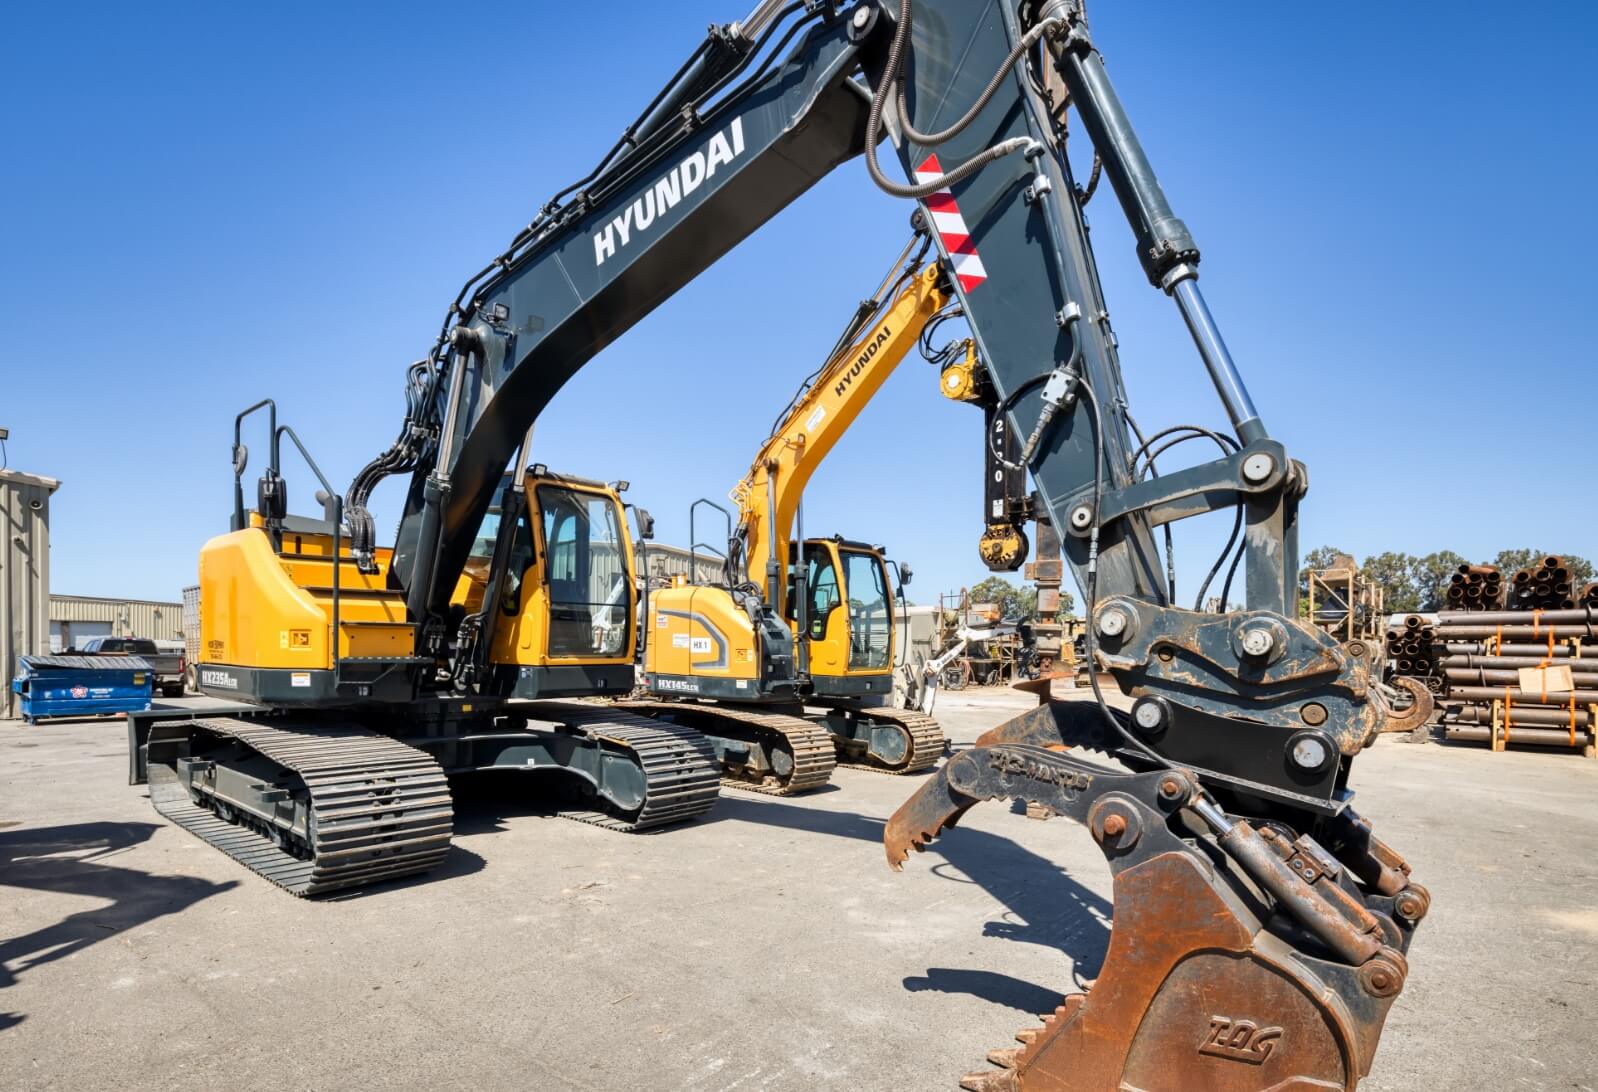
{"x": 929, "y": 140}
{"x": 891, "y": 79}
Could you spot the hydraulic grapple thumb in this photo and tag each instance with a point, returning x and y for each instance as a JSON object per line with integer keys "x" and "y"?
{"x": 1244, "y": 955}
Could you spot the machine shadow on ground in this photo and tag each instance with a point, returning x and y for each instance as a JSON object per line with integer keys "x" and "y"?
{"x": 484, "y": 799}
{"x": 1043, "y": 904}
{"x": 71, "y": 860}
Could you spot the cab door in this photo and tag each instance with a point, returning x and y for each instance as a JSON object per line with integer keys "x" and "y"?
{"x": 570, "y": 580}
{"x": 869, "y": 613}
{"x": 587, "y": 574}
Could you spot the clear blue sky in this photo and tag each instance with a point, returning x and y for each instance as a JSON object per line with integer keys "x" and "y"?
{"x": 205, "y": 204}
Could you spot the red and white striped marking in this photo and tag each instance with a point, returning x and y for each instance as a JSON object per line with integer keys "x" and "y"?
{"x": 951, "y": 228}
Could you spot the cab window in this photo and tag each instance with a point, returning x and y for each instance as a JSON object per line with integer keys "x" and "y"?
{"x": 587, "y": 573}
{"x": 870, "y": 619}
{"x": 821, "y": 587}
{"x": 521, "y": 555}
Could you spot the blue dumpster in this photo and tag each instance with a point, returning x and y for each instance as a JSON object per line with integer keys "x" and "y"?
{"x": 76, "y": 686}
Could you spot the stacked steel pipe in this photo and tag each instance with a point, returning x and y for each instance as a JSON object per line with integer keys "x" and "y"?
{"x": 1545, "y": 587}
{"x": 1412, "y": 651}
{"x": 1486, "y": 651}
{"x": 1476, "y": 587}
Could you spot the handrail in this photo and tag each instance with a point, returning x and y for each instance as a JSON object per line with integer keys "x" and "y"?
{"x": 338, "y": 526}
{"x": 693, "y": 537}
{"x": 241, "y": 456}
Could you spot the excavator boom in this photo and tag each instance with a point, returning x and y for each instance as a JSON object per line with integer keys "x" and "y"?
{"x": 810, "y": 427}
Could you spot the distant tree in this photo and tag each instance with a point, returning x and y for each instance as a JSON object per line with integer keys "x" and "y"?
{"x": 1394, "y": 573}
{"x": 1431, "y": 576}
{"x": 1509, "y": 562}
{"x": 1012, "y": 601}
{"x": 1019, "y": 602}
{"x": 1581, "y": 570}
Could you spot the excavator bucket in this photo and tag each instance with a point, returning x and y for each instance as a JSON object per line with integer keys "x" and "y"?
{"x": 1250, "y": 961}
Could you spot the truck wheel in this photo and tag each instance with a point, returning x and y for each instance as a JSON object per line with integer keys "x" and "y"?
{"x": 191, "y": 680}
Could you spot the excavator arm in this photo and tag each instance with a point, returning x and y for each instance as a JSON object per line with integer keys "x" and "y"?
{"x": 747, "y": 126}
{"x": 877, "y": 339}
{"x": 1260, "y": 928}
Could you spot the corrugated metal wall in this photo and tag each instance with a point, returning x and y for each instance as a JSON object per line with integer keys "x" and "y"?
{"x": 127, "y": 617}
{"x": 24, "y": 573}
{"x": 668, "y": 561}
{"x": 664, "y": 563}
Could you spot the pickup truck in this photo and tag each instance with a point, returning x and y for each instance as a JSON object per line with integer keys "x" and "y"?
{"x": 167, "y": 666}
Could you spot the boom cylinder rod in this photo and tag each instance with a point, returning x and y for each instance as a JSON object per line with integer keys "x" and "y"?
{"x": 1217, "y": 358}
{"x": 1166, "y": 249}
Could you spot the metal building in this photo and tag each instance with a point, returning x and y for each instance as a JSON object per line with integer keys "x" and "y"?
{"x": 665, "y": 562}
{"x": 76, "y": 618}
{"x": 24, "y": 573}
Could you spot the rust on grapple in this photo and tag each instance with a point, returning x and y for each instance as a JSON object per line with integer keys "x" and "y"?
{"x": 1273, "y": 972}
{"x": 1418, "y": 714}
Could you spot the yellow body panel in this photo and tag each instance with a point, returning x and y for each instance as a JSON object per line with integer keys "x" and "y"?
{"x": 700, "y": 630}
{"x": 829, "y": 655}
{"x": 261, "y": 610}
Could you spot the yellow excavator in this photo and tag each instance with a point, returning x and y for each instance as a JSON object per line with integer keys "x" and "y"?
{"x": 787, "y": 664}
{"x": 331, "y": 770}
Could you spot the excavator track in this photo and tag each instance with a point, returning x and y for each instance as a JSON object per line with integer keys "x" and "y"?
{"x": 379, "y": 809}
{"x": 681, "y": 775}
{"x": 926, "y": 739}
{"x": 808, "y": 745}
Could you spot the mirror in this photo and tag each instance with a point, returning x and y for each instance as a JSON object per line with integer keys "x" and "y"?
{"x": 241, "y": 459}
{"x": 646, "y": 522}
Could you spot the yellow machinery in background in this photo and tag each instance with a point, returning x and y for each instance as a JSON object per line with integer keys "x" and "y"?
{"x": 787, "y": 664}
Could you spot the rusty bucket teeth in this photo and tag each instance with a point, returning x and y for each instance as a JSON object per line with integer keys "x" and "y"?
{"x": 1003, "y": 1080}
{"x": 1007, "y": 1077}
{"x": 935, "y": 806}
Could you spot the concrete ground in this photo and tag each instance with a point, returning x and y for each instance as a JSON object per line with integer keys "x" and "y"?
{"x": 767, "y": 946}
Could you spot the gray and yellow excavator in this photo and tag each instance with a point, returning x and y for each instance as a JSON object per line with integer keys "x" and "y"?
{"x": 1260, "y": 927}
{"x": 787, "y": 663}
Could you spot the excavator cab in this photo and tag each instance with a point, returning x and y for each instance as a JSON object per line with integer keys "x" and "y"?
{"x": 846, "y": 611}
{"x": 561, "y": 619}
